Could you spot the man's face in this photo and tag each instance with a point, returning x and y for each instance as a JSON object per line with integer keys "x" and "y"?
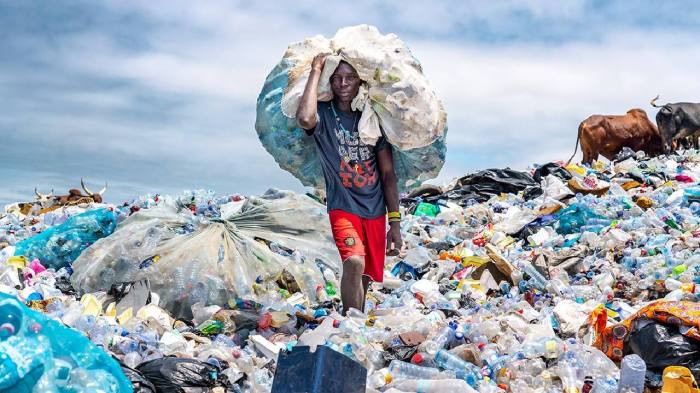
{"x": 345, "y": 82}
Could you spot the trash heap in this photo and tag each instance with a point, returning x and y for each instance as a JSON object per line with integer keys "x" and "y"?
{"x": 564, "y": 278}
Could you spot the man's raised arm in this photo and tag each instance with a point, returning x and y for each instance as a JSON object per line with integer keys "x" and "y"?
{"x": 306, "y": 113}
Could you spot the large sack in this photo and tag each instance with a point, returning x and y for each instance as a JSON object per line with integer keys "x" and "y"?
{"x": 190, "y": 259}
{"x": 396, "y": 98}
{"x": 60, "y": 245}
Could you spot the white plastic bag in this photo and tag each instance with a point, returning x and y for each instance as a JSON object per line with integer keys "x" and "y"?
{"x": 396, "y": 95}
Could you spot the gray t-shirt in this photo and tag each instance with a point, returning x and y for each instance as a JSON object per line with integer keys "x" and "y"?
{"x": 353, "y": 183}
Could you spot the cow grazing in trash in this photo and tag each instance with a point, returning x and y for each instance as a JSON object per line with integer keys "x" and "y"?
{"x": 608, "y": 134}
{"x": 47, "y": 202}
{"x": 677, "y": 121}
{"x": 43, "y": 201}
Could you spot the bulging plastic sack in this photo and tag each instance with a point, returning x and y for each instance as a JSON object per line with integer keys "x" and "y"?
{"x": 60, "y": 245}
{"x": 395, "y": 94}
{"x": 190, "y": 259}
{"x": 38, "y": 354}
{"x": 395, "y": 97}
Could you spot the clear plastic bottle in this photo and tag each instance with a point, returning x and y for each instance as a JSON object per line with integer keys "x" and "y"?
{"x": 569, "y": 379}
{"x": 536, "y": 278}
{"x": 606, "y": 385}
{"x": 433, "y": 386}
{"x": 463, "y": 369}
{"x": 439, "y": 341}
{"x": 403, "y": 370}
{"x": 632, "y": 372}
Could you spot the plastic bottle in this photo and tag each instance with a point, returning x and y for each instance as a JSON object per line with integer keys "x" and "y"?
{"x": 178, "y": 282}
{"x": 403, "y": 370}
{"x": 439, "y": 341}
{"x": 536, "y": 278}
{"x": 607, "y": 385}
{"x": 433, "y": 386}
{"x": 463, "y": 369}
{"x": 632, "y": 372}
{"x": 567, "y": 374}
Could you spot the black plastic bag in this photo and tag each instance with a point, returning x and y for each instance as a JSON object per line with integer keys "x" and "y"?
{"x": 551, "y": 169}
{"x": 482, "y": 185}
{"x": 661, "y": 345}
{"x": 138, "y": 381}
{"x": 176, "y": 375}
{"x": 400, "y": 352}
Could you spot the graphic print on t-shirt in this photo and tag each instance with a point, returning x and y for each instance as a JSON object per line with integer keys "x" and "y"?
{"x": 356, "y": 167}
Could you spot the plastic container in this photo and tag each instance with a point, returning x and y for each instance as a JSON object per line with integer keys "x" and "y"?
{"x": 314, "y": 372}
{"x": 632, "y": 372}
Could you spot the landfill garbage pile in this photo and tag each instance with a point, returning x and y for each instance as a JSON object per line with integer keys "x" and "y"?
{"x": 395, "y": 98}
{"x": 558, "y": 279}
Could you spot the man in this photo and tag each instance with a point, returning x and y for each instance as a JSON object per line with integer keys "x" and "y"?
{"x": 361, "y": 184}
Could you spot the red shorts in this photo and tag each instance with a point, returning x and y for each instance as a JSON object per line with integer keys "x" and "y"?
{"x": 357, "y": 236}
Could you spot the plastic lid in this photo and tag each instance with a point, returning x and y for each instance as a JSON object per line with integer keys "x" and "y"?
{"x": 417, "y": 358}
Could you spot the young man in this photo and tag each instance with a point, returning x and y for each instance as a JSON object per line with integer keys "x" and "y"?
{"x": 361, "y": 184}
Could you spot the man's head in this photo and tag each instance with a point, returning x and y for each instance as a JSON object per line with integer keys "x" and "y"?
{"x": 345, "y": 83}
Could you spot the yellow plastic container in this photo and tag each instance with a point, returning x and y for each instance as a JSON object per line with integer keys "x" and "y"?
{"x": 678, "y": 379}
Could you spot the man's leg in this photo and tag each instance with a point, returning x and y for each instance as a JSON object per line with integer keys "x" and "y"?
{"x": 352, "y": 290}
{"x": 366, "y": 280}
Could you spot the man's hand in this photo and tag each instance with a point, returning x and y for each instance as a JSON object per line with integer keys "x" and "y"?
{"x": 393, "y": 239}
{"x": 319, "y": 61}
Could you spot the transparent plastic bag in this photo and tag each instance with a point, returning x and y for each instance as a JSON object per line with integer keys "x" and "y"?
{"x": 40, "y": 354}
{"x": 189, "y": 259}
{"x": 60, "y": 245}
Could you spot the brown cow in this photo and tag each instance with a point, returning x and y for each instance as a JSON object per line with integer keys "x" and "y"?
{"x": 607, "y": 135}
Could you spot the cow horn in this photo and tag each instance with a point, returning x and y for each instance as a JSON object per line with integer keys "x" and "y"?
{"x": 653, "y": 102}
{"x": 85, "y": 188}
{"x": 50, "y": 194}
{"x": 102, "y": 191}
{"x": 37, "y": 193}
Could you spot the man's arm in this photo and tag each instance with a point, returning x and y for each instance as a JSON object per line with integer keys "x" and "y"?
{"x": 385, "y": 161}
{"x": 306, "y": 113}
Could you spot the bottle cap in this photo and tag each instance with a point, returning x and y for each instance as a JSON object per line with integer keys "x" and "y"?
{"x": 417, "y": 358}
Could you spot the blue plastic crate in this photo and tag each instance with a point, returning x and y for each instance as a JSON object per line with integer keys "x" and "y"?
{"x": 323, "y": 371}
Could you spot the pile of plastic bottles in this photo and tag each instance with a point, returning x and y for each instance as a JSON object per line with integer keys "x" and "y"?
{"x": 551, "y": 292}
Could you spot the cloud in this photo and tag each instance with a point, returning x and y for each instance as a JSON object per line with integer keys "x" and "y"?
{"x": 527, "y": 100}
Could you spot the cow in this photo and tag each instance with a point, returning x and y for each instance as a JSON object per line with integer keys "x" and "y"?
{"x": 677, "y": 121}
{"x": 608, "y": 134}
{"x": 48, "y": 202}
{"x": 74, "y": 196}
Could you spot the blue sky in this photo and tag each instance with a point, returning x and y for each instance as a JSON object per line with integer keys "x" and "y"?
{"x": 158, "y": 97}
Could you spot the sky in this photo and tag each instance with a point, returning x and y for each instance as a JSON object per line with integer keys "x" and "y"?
{"x": 160, "y": 96}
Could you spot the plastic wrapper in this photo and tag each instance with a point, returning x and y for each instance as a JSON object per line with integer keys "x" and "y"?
{"x": 60, "y": 245}
{"x": 190, "y": 259}
{"x": 396, "y": 97}
{"x": 39, "y": 354}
